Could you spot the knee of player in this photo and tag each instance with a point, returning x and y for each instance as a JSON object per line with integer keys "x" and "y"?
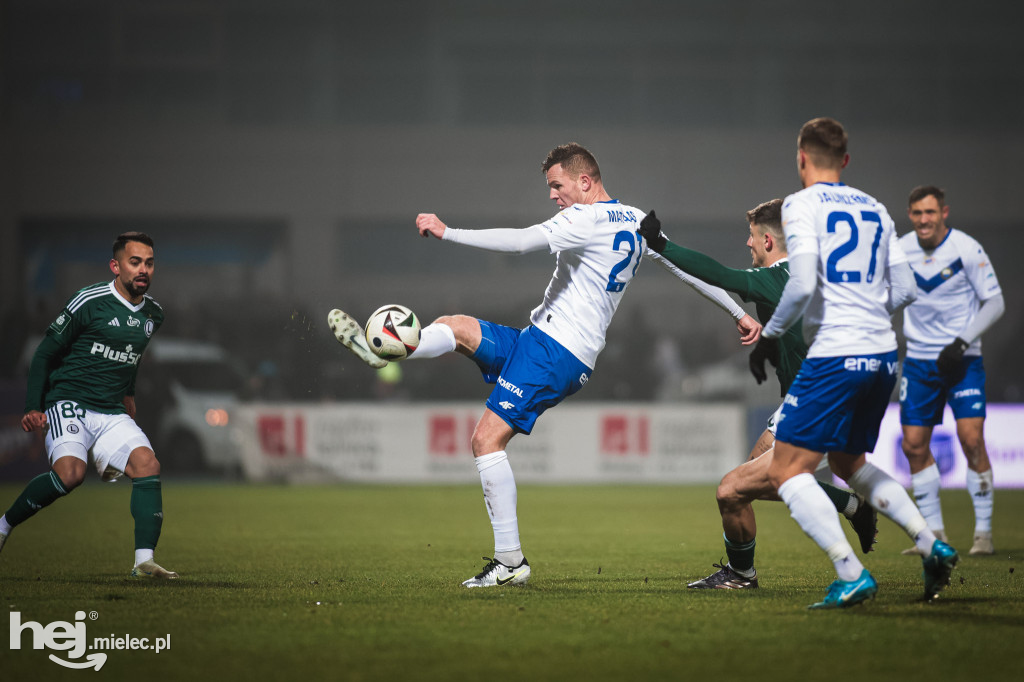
{"x": 466, "y": 330}
{"x": 142, "y": 462}
{"x": 915, "y": 449}
{"x": 727, "y": 492}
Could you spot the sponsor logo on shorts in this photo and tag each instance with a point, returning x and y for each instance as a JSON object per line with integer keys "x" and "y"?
{"x": 584, "y": 378}
{"x": 869, "y": 365}
{"x": 967, "y": 392}
{"x": 510, "y": 387}
{"x": 506, "y": 405}
{"x": 790, "y": 399}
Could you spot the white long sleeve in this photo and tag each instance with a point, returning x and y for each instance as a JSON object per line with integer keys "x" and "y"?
{"x": 716, "y": 295}
{"x": 803, "y": 276}
{"x": 504, "y": 240}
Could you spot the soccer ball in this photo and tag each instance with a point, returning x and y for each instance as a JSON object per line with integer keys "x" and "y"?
{"x": 393, "y": 332}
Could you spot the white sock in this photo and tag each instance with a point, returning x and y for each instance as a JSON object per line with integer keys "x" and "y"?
{"x": 926, "y": 485}
{"x": 500, "y": 496}
{"x": 981, "y": 490}
{"x": 886, "y": 495}
{"x": 143, "y": 555}
{"x": 813, "y": 511}
{"x": 435, "y": 339}
{"x": 5, "y": 527}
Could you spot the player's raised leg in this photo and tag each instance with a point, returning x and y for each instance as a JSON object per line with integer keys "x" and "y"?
{"x": 350, "y": 334}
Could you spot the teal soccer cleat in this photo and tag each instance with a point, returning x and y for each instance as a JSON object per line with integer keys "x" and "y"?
{"x": 938, "y": 566}
{"x": 844, "y": 593}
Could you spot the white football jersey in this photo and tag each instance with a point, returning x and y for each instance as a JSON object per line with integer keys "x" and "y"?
{"x": 855, "y": 240}
{"x": 952, "y": 282}
{"x": 598, "y": 251}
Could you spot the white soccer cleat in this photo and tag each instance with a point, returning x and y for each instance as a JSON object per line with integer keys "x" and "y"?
{"x": 982, "y": 544}
{"x": 914, "y": 551}
{"x": 151, "y": 569}
{"x": 496, "y": 574}
{"x": 350, "y": 334}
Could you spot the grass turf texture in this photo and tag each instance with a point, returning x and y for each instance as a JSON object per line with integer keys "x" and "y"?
{"x": 362, "y": 583}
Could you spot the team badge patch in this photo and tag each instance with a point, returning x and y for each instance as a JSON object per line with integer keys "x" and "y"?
{"x": 61, "y": 322}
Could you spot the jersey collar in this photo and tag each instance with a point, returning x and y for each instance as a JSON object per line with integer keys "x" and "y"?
{"x": 128, "y": 304}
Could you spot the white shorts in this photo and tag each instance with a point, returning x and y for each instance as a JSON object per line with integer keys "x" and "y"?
{"x": 74, "y": 431}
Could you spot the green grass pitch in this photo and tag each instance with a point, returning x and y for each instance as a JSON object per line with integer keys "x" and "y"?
{"x": 362, "y": 583}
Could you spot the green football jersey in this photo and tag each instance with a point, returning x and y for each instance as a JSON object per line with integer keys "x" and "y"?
{"x": 91, "y": 352}
{"x": 760, "y": 286}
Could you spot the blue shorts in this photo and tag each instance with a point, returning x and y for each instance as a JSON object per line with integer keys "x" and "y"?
{"x": 924, "y": 392}
{"x": 532, "y": 371}
{"x": 837, "y": 404}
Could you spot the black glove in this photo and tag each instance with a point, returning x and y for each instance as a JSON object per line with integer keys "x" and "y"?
{"x": 766, "y": 349}
{"x": 650, "y": 230}
{"x": 950, "y": 357}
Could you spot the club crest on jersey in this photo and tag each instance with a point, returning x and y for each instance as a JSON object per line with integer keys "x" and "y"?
{"x": 61, "y": 322}
{"x": 125, "y": 356}
{"x": 947, "y": 273}
{"x": 148, "y": 328}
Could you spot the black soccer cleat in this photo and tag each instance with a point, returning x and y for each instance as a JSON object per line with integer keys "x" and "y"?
{"x": 865, "y": 525}
{"x": 725, "y": 579}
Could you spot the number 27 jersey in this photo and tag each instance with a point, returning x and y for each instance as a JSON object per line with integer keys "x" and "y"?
{"x": 855, "y": 241}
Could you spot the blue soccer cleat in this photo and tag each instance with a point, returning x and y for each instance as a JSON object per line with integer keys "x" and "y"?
{"x": 938, "y": 566}
{"x": 844, "y": 593}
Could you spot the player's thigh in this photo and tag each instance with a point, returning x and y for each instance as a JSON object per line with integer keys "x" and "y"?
{"x": 494, "y": 347}
{"x": 68, "y": 437}
{"x": 789, "y": 460}
{"x": 922, "y": 393}
{"x": 539, "y": 374}
{"x": 749, "y": 481}
{"x": 466, "y": 330}
{"x": 967, "y": 396}
{"x": 117, "y": 436}
{"x": 764, "y": 443}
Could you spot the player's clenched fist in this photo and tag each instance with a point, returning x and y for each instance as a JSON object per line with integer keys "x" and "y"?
{"x": 429, "y": 224}
{"x": 34, "y": 420}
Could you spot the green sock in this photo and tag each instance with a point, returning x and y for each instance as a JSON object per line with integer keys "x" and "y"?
{"x": 741, "y": 554}
{"x": 148, "y": 511}
{"x": 840, "y": 498}
{"x": 41, "y": 491}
